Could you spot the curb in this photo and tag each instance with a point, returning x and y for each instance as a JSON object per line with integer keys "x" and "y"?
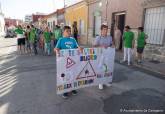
{"x": 149, "y": 69}
{"x": 144, "y": 69}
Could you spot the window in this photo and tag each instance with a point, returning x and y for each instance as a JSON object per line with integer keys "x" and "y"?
{"x": 155, "y": 25}
{"x": 48, "y": 24}
{"x": 97, "y": 25}
{"x": 81, "y": 27}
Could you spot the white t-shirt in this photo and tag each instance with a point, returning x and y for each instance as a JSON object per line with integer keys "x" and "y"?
{"x": 103, "y": 41}
{"x": 19, "y": 36}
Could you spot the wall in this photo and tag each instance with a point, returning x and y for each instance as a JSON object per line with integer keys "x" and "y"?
{"x": 2, "y": 25}
{"x": 76, "y": 13}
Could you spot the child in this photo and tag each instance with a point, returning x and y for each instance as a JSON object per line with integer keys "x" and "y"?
{"x": 141, "y": 40}
{"x": 104, "y": 41}
{"x": 66, "y": 42}
{"x": 20, "y": 39}
{"x": 33, "y": 40}
{"x": 57, "y": 34}
{"x": 47, "y": 39}
{"x": 128, "y": 38}
{"x": 27, "y": 35}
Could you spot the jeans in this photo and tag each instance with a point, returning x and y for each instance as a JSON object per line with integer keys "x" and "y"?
{"x": 33, "y": 46}
{"x": 48, "y": 48}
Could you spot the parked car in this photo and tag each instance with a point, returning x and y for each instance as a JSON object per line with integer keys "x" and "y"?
{"x": 10, "y": 34}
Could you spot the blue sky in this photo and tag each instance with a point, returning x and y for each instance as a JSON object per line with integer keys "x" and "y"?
{"x": 19, "y": 8}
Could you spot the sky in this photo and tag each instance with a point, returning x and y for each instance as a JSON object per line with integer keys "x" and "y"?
{"x": 17, "y": 9}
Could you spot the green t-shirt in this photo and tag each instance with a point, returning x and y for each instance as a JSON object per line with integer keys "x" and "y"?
{"x": 57, "y": 33}
{"x": 128, "y": 38}
{"x": 32, "y": 35}
{"x": 19, "y": 31}
{"x": 47, "y": 37}
{"x": 141, "y": 40}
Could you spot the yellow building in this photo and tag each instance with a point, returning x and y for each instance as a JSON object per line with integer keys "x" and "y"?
{"x": 78, "y": 13}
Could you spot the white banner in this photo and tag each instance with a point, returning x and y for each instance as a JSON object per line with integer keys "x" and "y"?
{"x": 77, "y": 70}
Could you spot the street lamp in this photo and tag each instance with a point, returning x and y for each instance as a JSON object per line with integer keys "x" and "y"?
{"x": 100, "y": 4}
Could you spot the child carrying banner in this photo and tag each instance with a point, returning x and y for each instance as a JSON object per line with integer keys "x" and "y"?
{"x": 66, "y": 42}
{"x": 103, "y": 41}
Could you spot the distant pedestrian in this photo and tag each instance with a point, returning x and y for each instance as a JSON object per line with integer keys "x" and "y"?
{"x": 75, "y": 31}
{"x": 117, "y": 37}
{"x": 20, "y": 39}
{"x": 141, "y": 42}
{"x": 57, "y": 33}
{"x": 103, "y": 41}
{"x": 47, "y": 41}
{"x": 33, "y": 40}
{"x": 128, "y": 39}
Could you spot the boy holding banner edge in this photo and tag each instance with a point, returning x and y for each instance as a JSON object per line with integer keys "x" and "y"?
{"x": 67, "y": 42}
{"x": 103, "y": 41}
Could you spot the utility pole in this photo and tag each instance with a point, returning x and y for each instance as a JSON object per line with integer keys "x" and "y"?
{"x": 64, "y": 12}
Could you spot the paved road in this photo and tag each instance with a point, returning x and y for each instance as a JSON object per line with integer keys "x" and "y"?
{"x": 27, "y": 86}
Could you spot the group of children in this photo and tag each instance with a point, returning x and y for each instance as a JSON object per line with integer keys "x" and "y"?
{"x": 31, "y": 40}
{"x": 105, "y": 41}
{"x": 129, "y": 44}
{"x": 65, "y": 41}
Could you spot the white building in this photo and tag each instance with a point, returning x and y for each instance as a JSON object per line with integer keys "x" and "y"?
{"x": 52, "y": 20}
{"x": 2, "y": 23}
{"x": 28, "y": 19}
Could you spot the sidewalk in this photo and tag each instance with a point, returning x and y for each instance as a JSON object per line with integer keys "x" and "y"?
{"x": 153, "y": 66}
{"x": 150, "y": 65}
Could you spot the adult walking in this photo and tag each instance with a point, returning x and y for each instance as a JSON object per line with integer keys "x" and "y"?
{"x": 75, "y": 31}
{"x": 117, "y": 38}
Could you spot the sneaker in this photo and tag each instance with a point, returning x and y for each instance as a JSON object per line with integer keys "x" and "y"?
{"x": 139, "y": 61}
{"x": 129, "y": 64}
{"x": 74, "y": 92}
{"x": 122, "y": 61}
{"x": 108, "y": 84}
{"x": 100, "y": 86}
{"x": 65, "y": 95}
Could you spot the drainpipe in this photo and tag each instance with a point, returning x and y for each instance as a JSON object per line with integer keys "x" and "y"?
{"x": 87, "y": 23}
{"x": 106, "y": 10}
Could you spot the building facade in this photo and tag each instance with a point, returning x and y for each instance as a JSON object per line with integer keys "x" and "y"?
{"x": 147, "y": 13}
{"x": 12, "y": 22}
{"x": 2, "y": 24}
{"x": 78, "y": 13}
{"x": 28, "y": 19}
